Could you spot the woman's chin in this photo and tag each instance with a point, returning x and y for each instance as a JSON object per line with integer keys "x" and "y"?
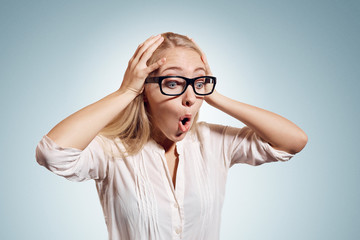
{"x": 175, "y": 135}
{"x": 179, "y": 136}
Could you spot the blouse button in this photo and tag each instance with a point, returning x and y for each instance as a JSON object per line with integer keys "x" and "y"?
{"x": 175, "y": 205}
{"x": 178, "y": 230}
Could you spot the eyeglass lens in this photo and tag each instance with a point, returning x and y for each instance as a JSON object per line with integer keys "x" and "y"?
{"x": 175, "y": 85}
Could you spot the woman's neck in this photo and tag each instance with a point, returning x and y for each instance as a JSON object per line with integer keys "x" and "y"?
{"x": 163, "y": 141}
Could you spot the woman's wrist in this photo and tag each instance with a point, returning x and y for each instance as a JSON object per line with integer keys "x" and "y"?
{"x": 211, "y": 99}
{"x": 128, "y": 92}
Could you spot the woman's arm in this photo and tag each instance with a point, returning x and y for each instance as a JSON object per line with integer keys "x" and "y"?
{"x": 80, "y": 128}
{"x": 279, "y": 132}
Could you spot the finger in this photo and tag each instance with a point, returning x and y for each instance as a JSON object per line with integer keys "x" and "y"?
{"x": 134, "y": 57}
{"x": 145, "y": 46}
{"x": 155, "y": 65}
{"x": 136, "y": 52}
{"x": 139, "y": 46}
{"x": 148, "y": 53}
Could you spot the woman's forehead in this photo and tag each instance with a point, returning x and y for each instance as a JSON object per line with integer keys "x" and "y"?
{"x": 183, "y": 60}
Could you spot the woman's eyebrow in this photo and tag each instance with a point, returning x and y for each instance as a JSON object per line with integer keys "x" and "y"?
{"x": 180, "y": 69}
{"x": 172, "y": 68}
{"x": 199, "y": 69}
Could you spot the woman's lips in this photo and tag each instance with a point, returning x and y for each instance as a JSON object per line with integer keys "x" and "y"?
{"x": 185, "y": 123}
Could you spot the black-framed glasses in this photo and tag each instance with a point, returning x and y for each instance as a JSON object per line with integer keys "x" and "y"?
{"x": 177, "y": 85}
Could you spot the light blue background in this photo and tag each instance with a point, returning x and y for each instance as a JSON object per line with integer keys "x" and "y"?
{"x": 299, "y": 59}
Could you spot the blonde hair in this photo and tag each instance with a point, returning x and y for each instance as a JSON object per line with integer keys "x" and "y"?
{"x": 133, "y": 126}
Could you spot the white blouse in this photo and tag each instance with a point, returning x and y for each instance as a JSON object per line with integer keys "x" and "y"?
{"x": 137, "y": 193}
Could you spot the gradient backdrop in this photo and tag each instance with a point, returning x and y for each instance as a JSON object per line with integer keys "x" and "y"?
{"x": 299, "y": 59}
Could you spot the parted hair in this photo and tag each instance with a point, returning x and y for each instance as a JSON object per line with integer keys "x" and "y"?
{"x": 132, "y": 127}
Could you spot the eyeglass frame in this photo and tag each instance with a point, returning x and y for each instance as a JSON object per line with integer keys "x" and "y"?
{"x": 189, "y": 81}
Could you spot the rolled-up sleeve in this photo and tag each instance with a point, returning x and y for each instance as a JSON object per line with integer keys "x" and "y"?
{"x": 249, "y": 148}
{"x": 71, "y": 163}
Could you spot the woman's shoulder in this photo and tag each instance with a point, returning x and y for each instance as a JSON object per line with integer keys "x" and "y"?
{"x": 211, "y": 130}
{"x": 205, "y": 125}
{"x": 205, "y": 130}
{"x": 209, "y": 135}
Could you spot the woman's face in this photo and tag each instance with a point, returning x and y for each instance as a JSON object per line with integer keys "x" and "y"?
{"x": 172, "y": 116}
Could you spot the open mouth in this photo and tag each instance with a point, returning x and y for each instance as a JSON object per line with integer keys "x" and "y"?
{"x": 185, "y": 123}
{"x": 185, "y": 120}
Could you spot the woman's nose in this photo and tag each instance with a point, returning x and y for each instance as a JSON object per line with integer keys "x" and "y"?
{"x": 189, "y": 97}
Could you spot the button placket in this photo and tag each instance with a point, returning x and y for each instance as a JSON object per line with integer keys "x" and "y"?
{"x": 178, "y": 215}
{"x": 177, "y": 221}
{"x": 178, "y": 230}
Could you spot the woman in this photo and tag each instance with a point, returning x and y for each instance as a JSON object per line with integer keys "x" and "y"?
{"x": 159, "y": 173}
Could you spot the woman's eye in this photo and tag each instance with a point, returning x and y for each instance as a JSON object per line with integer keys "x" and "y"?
{"x": 199, "y": 84}
{"x": 171, "y": 84}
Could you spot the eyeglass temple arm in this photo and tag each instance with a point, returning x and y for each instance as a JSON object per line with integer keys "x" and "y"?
{"x": 152, "y": 80}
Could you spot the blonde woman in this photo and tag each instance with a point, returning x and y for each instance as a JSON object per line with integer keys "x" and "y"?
{"x": 159, "y": 173}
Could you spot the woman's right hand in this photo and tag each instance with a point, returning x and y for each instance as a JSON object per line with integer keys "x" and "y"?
{"x": 137, "y": 69}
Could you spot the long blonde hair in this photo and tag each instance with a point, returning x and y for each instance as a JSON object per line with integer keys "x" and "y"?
{"x": 133, "y": 126}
